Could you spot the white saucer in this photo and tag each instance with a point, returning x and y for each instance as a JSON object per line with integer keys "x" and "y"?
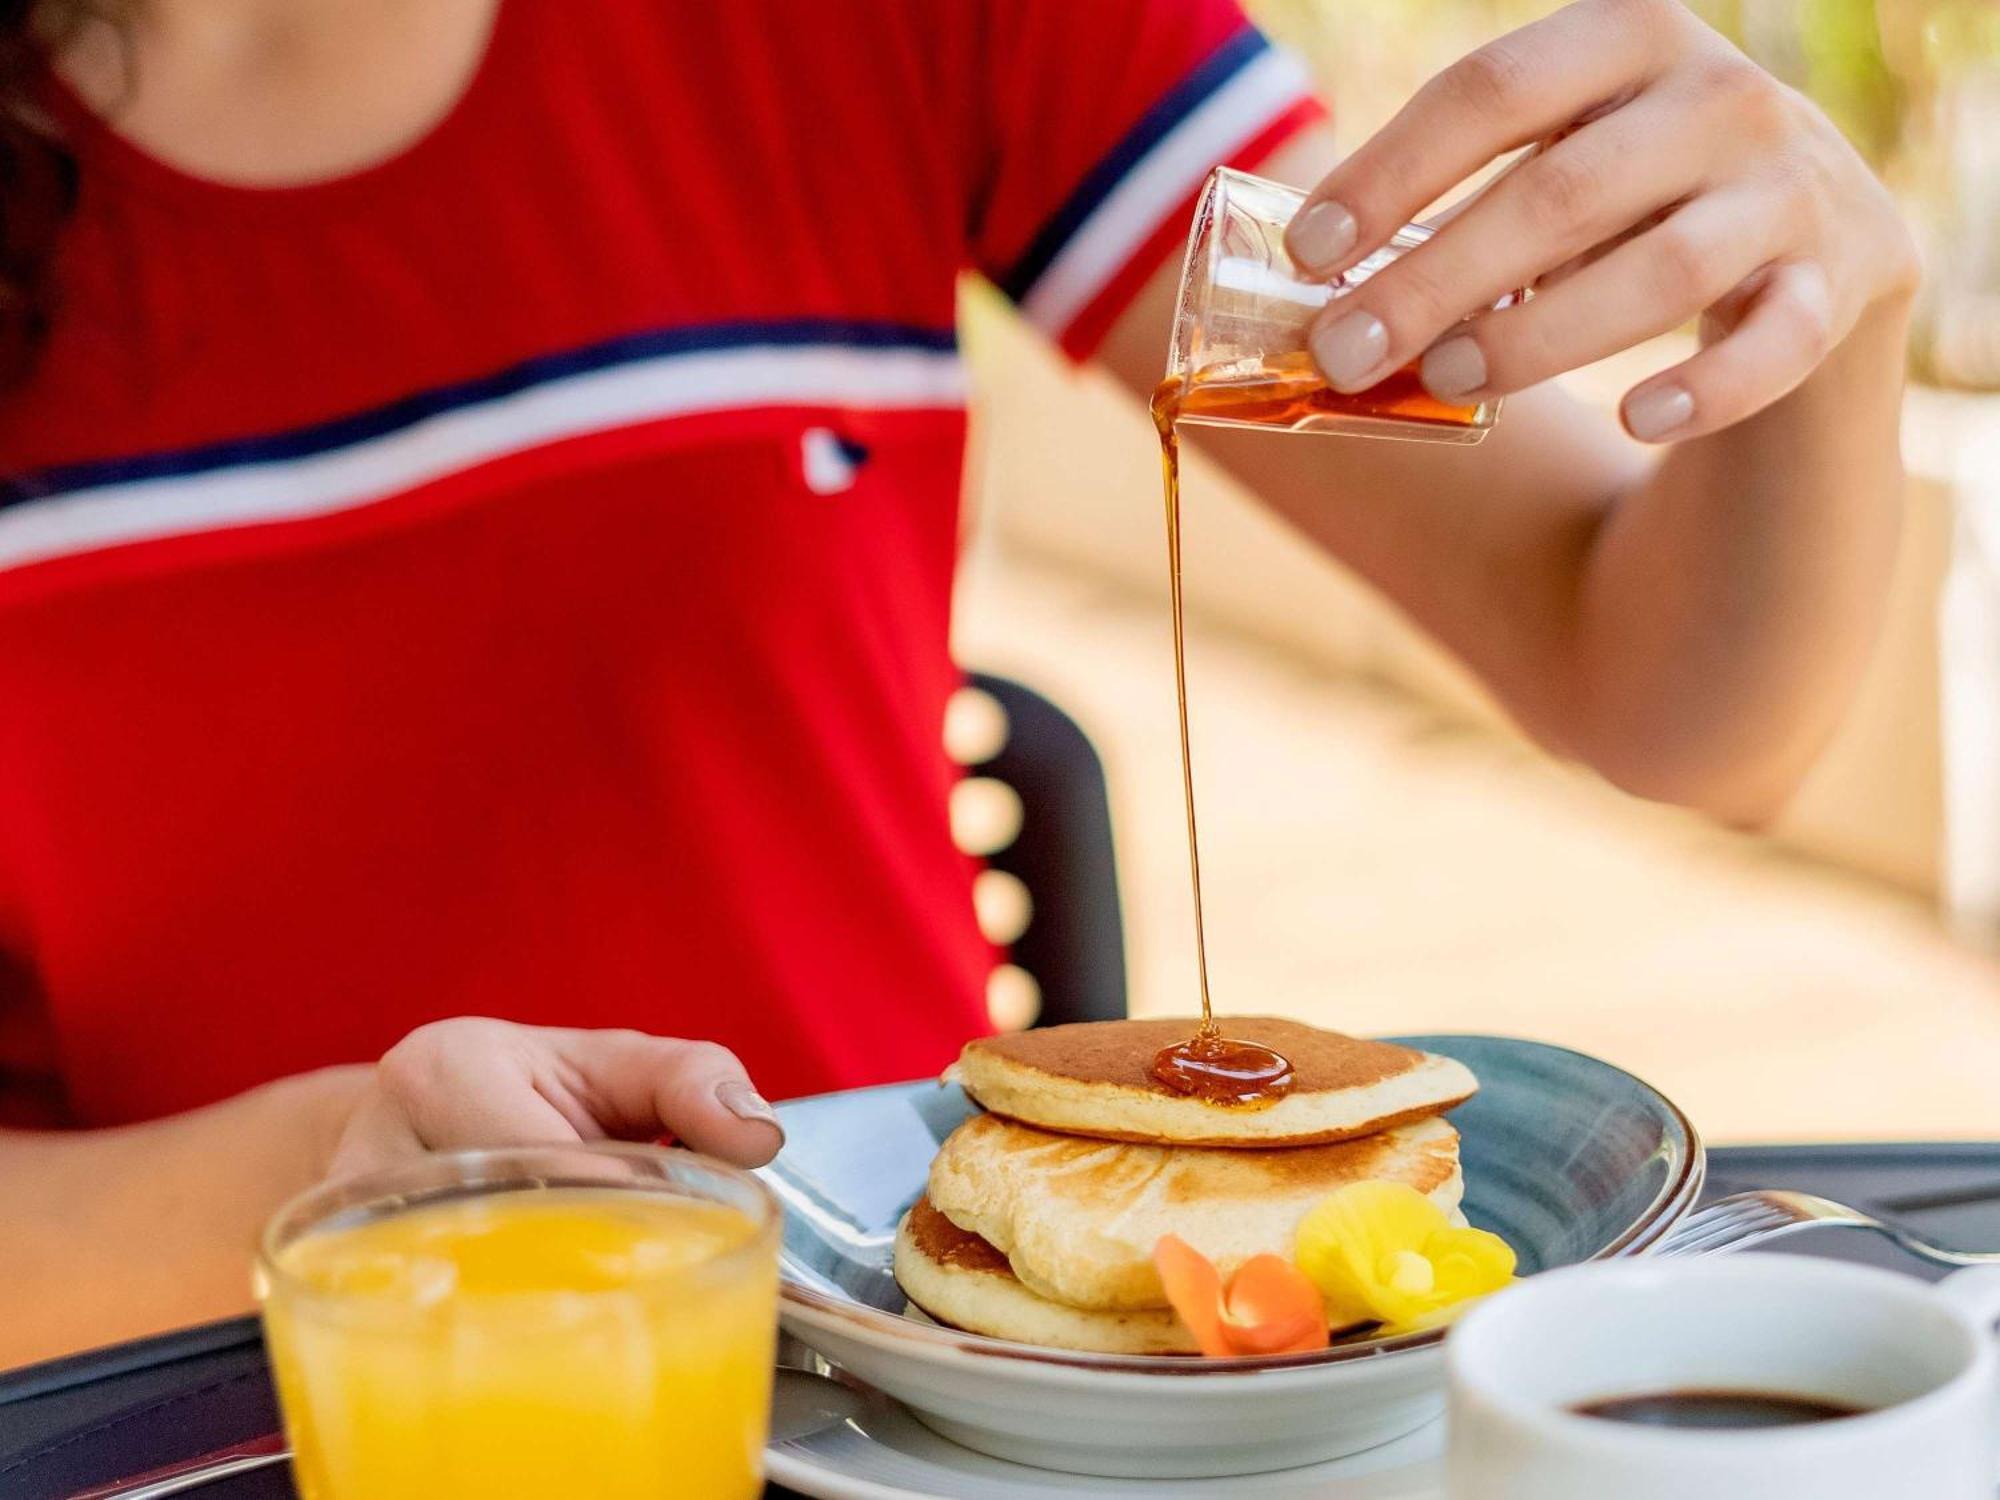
{"x": 836, "y": 1443}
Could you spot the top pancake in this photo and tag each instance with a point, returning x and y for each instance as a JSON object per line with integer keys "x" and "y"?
{"x": 1094, "y": 1078}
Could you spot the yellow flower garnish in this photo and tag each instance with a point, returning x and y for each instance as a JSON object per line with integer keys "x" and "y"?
{"x": 1383, "y": 1252}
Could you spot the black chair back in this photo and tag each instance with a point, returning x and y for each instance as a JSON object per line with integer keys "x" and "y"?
{"x": 1074, "y": 943}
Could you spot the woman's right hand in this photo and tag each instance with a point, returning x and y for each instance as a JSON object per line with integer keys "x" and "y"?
{"x": 478, "y": 1082}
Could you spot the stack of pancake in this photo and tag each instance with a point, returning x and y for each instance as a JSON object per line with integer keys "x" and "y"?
{"x": 1041, "y": 1214}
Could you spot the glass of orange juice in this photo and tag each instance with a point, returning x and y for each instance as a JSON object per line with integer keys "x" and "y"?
{"x": 544, "y": 1321}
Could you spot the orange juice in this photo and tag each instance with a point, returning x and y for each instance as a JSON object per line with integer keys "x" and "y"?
{"x": 544, "y": 1342}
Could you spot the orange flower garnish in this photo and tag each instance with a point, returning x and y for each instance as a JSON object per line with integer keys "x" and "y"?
{"x": 1270, "y": 1306}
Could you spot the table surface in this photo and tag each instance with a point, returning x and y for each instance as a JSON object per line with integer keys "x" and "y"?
{"x": 96, "y": 1417}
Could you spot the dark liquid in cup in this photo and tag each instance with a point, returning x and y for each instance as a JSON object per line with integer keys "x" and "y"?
{"x": 1717, "y": 1409}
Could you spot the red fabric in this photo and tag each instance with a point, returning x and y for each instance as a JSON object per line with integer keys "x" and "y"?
{"x": 1084, "y": 332}
{"x": 1063, "y": 83}
{"x": 638, "y": 725}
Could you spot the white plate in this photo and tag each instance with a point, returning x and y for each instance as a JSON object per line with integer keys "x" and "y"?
{"x": 860, "y": 1445}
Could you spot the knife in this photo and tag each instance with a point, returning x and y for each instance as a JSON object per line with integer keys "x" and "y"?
{"x": 831, "y": 1402}
{"x": 238, "y": 1458}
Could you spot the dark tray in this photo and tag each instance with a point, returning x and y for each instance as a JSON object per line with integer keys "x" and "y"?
{"x": 95, "y": 1417}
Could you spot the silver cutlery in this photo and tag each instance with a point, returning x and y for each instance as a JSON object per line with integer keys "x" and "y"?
{"x": 830, "y": 1401}
{"x": 238, "y": 1458}
{"x": 1745, "y": 1219}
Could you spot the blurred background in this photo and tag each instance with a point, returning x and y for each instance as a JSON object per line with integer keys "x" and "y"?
{"x": 1382, "y": 853}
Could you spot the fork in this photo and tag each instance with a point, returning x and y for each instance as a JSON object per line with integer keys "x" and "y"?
{"x": 1745, "y": 1219}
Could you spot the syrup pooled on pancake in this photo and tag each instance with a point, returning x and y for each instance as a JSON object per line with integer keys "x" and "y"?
{"x": 944, "y": 1242}
{"x": 1095, "y": 1079}
{"x": 1207, "y": 1066}
{"x": 1216, "y": 1070}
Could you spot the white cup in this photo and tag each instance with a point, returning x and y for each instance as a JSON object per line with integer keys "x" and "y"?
{"x": 1919, "y": 1359}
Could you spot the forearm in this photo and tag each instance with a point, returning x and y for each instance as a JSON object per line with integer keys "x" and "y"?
{"x": 1689, "y": 625}
{"x": 114, "y": 1233}
{"x": 1692, "y": 629}
{"x": 1727, "y": 603}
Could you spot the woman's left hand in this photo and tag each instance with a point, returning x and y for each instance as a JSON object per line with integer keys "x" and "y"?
{"x": 1682, "y": 181}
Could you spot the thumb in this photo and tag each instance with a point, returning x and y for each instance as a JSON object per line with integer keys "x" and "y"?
{"x": 640, "y": 1085}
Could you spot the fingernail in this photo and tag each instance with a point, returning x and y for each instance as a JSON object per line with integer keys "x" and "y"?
{"x": 1321, "y": 236}
{"x": 1651, "y": 414}
{"x": 1455, "y": 367}
{"x": 1350, "y": 350}
{"x": 746, "y": 1103}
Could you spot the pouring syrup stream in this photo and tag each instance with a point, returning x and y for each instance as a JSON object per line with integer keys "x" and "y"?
{"x": 1208, "y": 1066}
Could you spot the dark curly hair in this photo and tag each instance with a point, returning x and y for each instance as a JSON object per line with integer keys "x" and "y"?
{"x": 38, "y": 178}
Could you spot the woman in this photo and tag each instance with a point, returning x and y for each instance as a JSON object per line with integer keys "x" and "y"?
{"x": 481, "y": 504}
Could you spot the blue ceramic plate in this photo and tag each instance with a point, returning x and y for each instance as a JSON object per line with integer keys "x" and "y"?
{"x": 1567, "y": 1158}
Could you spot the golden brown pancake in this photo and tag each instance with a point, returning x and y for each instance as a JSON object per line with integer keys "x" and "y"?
{"x": 1094, "y": 1078}
{"x": 961, "y": 1281}
{"x": 1077, "y": 1219}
